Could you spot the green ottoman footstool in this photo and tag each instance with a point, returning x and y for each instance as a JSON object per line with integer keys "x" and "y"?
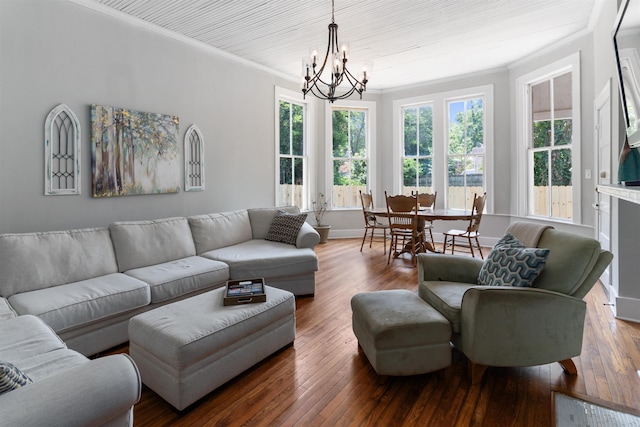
{"x": 400, "y": 333}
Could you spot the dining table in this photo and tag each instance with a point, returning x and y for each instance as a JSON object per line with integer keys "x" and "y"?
{"x": 430, "y": 214}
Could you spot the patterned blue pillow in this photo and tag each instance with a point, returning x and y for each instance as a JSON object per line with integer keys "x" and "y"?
{"x": 11, "y": 377}
{"x": 285, "y": 227}
{"x": 509, "y": 241}
{"x": 511, "y": 264}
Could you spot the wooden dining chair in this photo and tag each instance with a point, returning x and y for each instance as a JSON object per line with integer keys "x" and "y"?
{"x": 371, "y": 221}
{"x": 470, "y": 235}
{"x": 406, "y": 233}
{"x": 427, "y": 200}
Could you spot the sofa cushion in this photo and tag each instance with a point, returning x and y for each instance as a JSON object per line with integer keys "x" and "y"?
{"x": 511, "y": 264}
{"x": 24, "y": 336}
{"x": 261, "y": 219}
{"x": 180, "y": 277}
{"x": 285, "y": 227}
{"x": 79, "y": 303}
{"x": 11, "y": 377}
{"x": 217, "y": 230}
{"x": 143, "y": 243}
{"x": 446, "y": 297}
{"x": 262, "y": 258}
{"x": 60, "y": 257}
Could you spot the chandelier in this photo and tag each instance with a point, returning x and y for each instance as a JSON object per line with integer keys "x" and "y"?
{"x": 335, "y": 62}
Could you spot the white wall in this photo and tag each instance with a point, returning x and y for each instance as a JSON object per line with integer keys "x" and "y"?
{"x": 55, "y": 51}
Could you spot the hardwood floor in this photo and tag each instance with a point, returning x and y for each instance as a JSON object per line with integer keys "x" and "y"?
{"x": 323, "y": 379}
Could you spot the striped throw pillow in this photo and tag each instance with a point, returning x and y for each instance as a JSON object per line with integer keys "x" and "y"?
{"x": 11, "y": 377}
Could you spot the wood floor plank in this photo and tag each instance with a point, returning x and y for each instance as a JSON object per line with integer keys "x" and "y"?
{"x": 323, "y": 379}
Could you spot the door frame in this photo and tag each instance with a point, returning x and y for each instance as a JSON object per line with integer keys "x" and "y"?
{"x": 600, "y": 102}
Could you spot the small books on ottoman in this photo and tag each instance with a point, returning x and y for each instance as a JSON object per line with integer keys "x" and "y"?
{"x": 244, "y": 291}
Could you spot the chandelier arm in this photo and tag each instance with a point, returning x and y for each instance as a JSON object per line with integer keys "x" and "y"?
{"x": 352, "y": 79}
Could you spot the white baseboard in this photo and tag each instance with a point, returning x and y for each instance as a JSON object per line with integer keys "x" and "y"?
{"x": 628, "y": 309}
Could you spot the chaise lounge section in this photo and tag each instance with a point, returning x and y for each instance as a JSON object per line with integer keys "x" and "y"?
{"x": 67, "y": 389}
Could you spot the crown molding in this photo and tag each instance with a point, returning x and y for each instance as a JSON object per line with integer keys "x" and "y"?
{"x": 106, "y": 10}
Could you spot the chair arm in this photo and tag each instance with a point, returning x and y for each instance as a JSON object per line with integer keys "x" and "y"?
{"x": 509, "y": 326}
{"x": 308, "y": 237}
{"x": 450, "y": 268}
{"x": 93, "y": 393}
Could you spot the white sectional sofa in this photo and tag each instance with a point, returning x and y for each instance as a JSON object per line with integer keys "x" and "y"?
{"x": 86, "y": 284}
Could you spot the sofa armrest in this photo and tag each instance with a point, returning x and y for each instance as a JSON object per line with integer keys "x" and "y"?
{"x": 510, "y": 326}
{"x": 92, "y": 393}
{"x": 308, "y": 237}
{"x": 450, "y": 268}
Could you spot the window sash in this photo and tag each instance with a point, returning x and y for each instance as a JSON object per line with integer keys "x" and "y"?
{"x": 292, "y": 147}
{"x": 550, "y": 195}
{"x": 524, "y": 191}
{"x": 466, "y": 159}
{"x": 417, "y": 149}
{"x": 352, "y": 170}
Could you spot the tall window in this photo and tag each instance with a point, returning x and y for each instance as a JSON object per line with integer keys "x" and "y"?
{"x": 291, "y": 138}
{"x": 417, "y": 159}
{"x": 443, "y": 142}
{"x": 466, "y": 151}
{"x": 550, "y": 145}
{"x": 349, "y": 155}
{"x": 548, "y": 114}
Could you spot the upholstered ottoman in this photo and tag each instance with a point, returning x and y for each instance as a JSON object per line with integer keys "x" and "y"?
{"x": 400, "y": 333}
{"x": 186, "y": 349}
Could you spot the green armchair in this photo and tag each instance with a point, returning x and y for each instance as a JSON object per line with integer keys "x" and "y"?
{"x": 517, "y": 326}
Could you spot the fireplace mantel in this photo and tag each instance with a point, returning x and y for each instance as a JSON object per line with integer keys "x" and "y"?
{"x": 630, "y": 194}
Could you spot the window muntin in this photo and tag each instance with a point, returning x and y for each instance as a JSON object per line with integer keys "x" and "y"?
{"x": 550, "y": 148}
{"x": 349, "y": 150}
{"x": 417, "y": 159}
{"x": 466, "y": 151}
{"x": 292, "y": 155}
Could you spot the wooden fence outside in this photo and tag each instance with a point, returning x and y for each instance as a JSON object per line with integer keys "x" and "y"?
{"x": 561, "y": 205}
{"x": 346, "y": 196}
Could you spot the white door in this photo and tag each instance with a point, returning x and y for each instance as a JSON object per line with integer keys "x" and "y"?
{"x": 602, "y": 203}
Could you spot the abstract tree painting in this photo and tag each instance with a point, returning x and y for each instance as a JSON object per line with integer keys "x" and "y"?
{"x": 133, "y": 152}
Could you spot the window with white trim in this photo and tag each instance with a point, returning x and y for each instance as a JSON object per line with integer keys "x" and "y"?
{"x": 351, "y": 152}
{"x": 443, "y": 143}
{"x": 417, "y": 149}
{"x": 292, "y": 148}
{"x": 549, "y": 151}
{"x": 549, "y": 135}
{"x": 465, "y": 151}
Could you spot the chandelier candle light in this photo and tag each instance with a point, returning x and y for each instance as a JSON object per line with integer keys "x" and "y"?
{"x": 336, "y": 62}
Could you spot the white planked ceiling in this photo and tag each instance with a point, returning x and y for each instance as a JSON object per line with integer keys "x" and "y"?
{"x": 408, "y": 41}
